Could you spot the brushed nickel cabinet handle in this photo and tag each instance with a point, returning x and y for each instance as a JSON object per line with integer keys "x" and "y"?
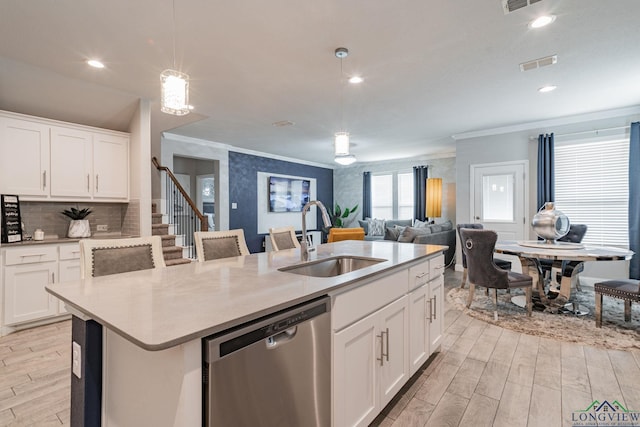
{"x": 387, "y": 345}
{"x": 430, "y": 310}
{"x": 88, "y": 188}
{"x": 44, "y": 179}
{"x": 381, "y": 358}
{"x": 435, "y": 307}
{"x": 96, "y": 183}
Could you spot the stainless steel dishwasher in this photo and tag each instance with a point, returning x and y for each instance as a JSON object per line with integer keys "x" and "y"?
{"x": 274, "y": 371}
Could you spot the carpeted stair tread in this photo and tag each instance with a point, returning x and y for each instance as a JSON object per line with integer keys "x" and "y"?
{"x": 176, "y": 261}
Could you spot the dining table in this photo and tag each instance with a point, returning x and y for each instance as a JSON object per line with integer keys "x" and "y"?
{"x": 567, "y": 258}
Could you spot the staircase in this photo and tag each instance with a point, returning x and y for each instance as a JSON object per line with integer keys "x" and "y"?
{"x": 173, "y": 254}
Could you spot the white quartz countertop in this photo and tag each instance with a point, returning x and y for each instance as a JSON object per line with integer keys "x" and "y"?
{"x": 161, "y": 308}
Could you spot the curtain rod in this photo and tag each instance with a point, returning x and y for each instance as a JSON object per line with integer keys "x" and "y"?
{"x": 586, "y": 131}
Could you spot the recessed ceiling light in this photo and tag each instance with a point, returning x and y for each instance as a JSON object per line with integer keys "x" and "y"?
{"x": 95, "y": 63}
{"x": 542, "y": 21}
{"x": 356, "y": 79}
{"x": 548, "y": 88}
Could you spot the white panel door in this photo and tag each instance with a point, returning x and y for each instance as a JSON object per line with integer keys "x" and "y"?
{"x": 355, "y": 372}
{"x": 110, "y": 166}
{"x": 418, "y": 329}
{"x": 499, "y": 198}
{"x": 394, "y": 330}
{"x": 24, "y": 158}
{"x": 25, "y": 298}
{"x": 71, "y": 158}
{"x": 436, "y": 323}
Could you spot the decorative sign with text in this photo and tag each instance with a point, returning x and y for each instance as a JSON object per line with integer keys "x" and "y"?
{"x": 11, "y": 221}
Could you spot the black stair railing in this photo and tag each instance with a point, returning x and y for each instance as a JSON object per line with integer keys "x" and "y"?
{"x": 181, "y": 210}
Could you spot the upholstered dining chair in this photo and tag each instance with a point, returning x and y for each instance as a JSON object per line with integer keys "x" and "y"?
{"x": 338, "y": 234}
{"x": 101, "y": 257}
{"x": 220, "y": 244}
{"x": 478, "y": 246}
{"x": 627, "y": 290}
{"x": 283, "y": 238}
{"x": 575, "y": 235}
{"x": 500, "y": 263}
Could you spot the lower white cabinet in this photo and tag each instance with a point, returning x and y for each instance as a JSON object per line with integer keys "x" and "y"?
{"x": 370, "y": 364}
{"x": 384, "y": 331}
{"x": 25, "y": 298}
{"x": 26, "y": 271}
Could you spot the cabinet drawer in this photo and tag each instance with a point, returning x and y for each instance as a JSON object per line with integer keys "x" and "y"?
{"x": 31, "y": 254}
{"x": 419, "y": 275}
{"x": 70, "y": 251}
{"x": 436, "y": 267}
{"x": 363, "y": 300}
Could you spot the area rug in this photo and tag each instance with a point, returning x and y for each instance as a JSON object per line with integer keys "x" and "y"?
{"x": 614, "y": 334}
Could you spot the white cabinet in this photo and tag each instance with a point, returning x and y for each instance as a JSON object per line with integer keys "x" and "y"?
{"x": 24, "y": 158}
{"x": 26, "y": 271}
{"x": 370, "y": 364}
{"x": 425, "y": 310}
{"x": 42, "y": 159}
{"x": 71, "y": 163}
{"x": 110, "y": 166}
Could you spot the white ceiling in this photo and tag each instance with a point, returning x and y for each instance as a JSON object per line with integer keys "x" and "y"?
{"x": 432, "y": 68}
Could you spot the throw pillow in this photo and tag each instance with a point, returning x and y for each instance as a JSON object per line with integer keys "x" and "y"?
{"x": 419, "y": 224}
{"x": 435, "y": 228}
{"x": 391, "y": 233}
{"x": 410, "y": 233}
{"x": 364, "y": 224}
{"x": 446, "y": 226}
{"x": 376, "y": 227}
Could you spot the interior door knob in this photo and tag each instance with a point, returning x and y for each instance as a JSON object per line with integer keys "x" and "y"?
{"x": 477, "y": 217}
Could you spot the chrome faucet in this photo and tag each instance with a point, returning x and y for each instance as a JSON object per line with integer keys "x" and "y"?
{"x": 304, "y": 246}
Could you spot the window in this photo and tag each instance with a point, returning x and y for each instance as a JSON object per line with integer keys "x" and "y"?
{"x": 392, "y": 195}
{"x": 592, "y": 188}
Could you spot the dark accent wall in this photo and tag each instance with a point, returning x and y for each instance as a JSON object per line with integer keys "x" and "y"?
{"x": 243, "y": 176}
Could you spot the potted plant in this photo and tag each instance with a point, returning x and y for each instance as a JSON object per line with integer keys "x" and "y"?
{"x": 340, "y": 218}
{"x": 79, "y": 226}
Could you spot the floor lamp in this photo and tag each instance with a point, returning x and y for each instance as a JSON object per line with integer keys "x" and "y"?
{"x": 434, "y": 198}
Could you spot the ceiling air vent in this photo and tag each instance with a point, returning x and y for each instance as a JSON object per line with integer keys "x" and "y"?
{"x": 512, "y": 5}
{"x": 538, "y": 63}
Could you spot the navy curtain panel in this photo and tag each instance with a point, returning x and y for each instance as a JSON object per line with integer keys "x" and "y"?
{"x": 366, "y": 195}
{"x": 419, "y": 192}
{"x": 546, "y": 176}
{"x": 634, "y": 200}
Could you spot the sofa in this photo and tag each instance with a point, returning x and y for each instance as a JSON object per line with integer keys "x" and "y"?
{"x": 408, "y": 231}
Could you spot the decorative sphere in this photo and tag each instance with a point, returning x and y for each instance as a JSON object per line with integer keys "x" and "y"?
{"x": 549, "y": 223}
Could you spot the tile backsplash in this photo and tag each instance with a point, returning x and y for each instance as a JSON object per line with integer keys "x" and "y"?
{"x": 48, "y": 217}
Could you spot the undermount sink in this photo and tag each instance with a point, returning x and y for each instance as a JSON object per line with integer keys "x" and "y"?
{"x": 331, "y": 267}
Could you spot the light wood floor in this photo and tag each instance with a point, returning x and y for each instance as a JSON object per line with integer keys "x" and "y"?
{"x": 482, "y": 376}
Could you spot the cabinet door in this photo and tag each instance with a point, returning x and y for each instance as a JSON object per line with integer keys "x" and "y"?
{"x": 24, "y": 158}
{"x": 69, "y": 271}
{"x": 24, "y": 293}
{"x": 71, "y": 157}
{"x": 355, "y": 368}
{"x": 418, "y": 328}
{"x": 394, "y": 332}
{"x": 110, "y": 166}
{"x": 436, "y": 325}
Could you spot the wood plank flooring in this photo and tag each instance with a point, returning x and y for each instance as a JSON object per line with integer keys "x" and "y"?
{"x": 483, "y": 376}
{"x": 488, "y": 376}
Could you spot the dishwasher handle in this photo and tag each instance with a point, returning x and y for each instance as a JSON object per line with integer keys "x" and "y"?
{"x": 281, "y": 338}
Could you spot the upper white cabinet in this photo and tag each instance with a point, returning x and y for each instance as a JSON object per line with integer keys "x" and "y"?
{"x": 42, "y": 159}
{"x": 24, "y": 157}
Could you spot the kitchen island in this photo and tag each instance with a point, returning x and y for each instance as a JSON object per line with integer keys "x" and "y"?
{"x": 154, "y": 320}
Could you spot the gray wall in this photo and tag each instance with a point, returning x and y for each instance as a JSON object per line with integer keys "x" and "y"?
{"x": 347, "y": 182}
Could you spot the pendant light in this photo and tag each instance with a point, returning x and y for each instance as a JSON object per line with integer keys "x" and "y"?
{"x": 174, "y": 93}
{"x": 341, "y": 141}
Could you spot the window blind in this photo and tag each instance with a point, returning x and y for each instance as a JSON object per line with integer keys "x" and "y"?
{"x": 392, "y": 195}
{"x": 592, "y": 188}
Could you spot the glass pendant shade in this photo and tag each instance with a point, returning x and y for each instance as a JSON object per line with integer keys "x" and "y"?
{"x": 341, "y": 143}
{"x": 174, "y": 96}
{"x": 345, "y": 159}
